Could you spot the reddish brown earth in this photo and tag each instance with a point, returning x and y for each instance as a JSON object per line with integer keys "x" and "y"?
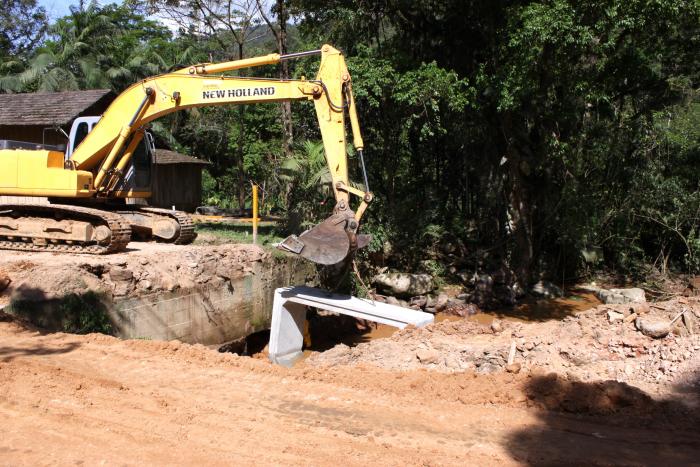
{"x": 86, "y": 400}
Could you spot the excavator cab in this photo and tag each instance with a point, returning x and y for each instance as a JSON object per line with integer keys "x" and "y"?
{"x": 137, "y": 177}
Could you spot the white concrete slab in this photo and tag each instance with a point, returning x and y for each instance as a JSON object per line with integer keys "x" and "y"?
{"x": 289, "y": 314}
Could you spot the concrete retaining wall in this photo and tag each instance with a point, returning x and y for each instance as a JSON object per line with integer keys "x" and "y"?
{"x": 196, "y": 294}
{"x": 210, "y": 314}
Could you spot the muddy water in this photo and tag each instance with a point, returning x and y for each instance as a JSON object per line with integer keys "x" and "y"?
{"x": 328, "y": 331}
{"x": 543, "y": 309}
{"x": 528, "y": 310}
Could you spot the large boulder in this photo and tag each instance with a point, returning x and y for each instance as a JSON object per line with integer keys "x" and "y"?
{"x": 546, "y": 289}
{"x": 404, "y": 284}
{"x": 621, "y": 296}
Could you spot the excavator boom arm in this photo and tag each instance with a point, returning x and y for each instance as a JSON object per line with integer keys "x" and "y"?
{"x": 107, "y": 149}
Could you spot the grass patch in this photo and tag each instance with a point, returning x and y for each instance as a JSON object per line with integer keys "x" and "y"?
{"x": 218, "y": 233}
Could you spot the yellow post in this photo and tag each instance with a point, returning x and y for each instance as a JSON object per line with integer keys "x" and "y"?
{"x": 255, "y": 213}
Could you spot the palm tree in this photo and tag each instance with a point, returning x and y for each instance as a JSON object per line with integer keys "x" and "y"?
{"x": 72, "y": 60}
{"x": 92, "y": 48}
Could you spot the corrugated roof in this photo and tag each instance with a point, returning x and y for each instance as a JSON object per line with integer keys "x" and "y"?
{"x": 54, "y": 108}
{"x": 165, "y": 157}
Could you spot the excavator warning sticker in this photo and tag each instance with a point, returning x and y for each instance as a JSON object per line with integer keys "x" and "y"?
{"x": 241, "y": 92}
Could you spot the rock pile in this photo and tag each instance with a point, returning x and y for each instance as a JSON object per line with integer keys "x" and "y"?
{"x": 587, "y": 346}
{"x": 184, "y": 270}
{"x": 442, "y": 303}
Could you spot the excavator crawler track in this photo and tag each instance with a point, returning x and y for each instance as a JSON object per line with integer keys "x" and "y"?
{"x": 118, "y": 226}
{"x": 187, "y": 233}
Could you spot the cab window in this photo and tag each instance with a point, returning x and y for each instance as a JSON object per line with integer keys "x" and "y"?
{"x": 80, "y": 133}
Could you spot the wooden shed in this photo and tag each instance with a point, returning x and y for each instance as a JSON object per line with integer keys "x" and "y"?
{"x": 177, "y": 181}
{"x": 40, "y": 117}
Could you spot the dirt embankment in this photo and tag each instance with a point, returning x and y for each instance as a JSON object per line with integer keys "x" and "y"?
{"x": 68, "y": 399}
{"x": 146, "y": 268}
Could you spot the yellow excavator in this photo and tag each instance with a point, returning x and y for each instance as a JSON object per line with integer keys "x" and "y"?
{"x": 109, "y": 159}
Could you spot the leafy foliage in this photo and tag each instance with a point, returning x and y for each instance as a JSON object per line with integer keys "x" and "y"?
{"x": 514, "y": 134}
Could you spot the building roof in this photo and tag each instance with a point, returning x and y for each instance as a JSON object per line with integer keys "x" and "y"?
{"x": 53, "y": 108}
{"x": 165, "y": 157}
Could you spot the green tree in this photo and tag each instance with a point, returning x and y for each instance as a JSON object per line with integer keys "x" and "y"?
{"x": 94, "y": 47}
{"x": 558, "y": 128}
{"x": 22, "y": 27}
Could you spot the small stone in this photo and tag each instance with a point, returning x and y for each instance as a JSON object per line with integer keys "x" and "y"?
{"x": 614, "y": 316}
{"x": 488, "y": 368}
{"x": 393, "y": 301}
{"x": 168, "y": 283}
{"x": 419, "y": 301}
{"x": 4, "y": 280}
{"x": 466, "y": 365}
{"x": 441, "y": 301}
{"x": 546, "y": 289}
{"x": 496, "y": 326}
{"x": 145, "y": 285}
{"x": 653, "y": 327}
{"x": 638, "y": 308}
{"x": 451, "y": 361}
{"x": 398, "y": 283}
{"x": 427, "y": 356}
{"x": 529, "y": 346}
{"x": 513, "y": 368}
{"x": 121, "y": 275}
{"x": 143, "y": 261}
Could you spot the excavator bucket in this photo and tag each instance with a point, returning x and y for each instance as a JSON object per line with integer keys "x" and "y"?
{"x": 329, "y": 242}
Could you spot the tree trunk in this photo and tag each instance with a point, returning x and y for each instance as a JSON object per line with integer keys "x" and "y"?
{"x": 519, "y": 206}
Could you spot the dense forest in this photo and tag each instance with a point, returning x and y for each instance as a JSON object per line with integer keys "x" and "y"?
{"x": 547, "y": 139}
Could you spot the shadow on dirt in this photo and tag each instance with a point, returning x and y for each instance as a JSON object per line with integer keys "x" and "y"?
{"x": 7, "y": 354}
{"x": 328, "y": 330}
{"x": 608, "y": 423}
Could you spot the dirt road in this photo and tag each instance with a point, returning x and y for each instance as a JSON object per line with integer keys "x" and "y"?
{"x": 67, "y": 399}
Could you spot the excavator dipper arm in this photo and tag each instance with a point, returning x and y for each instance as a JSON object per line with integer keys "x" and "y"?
{"x": 108, "y": 148}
